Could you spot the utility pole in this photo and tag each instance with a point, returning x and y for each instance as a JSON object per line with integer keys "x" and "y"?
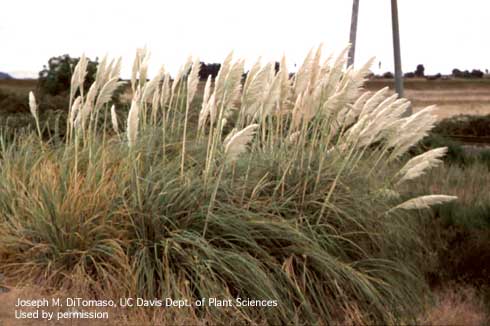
{"x": 396, "y": 52}
{"x": 353, "y": 32}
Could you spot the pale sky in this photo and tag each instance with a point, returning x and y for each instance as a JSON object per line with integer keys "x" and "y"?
{"x": 441, "y": 34}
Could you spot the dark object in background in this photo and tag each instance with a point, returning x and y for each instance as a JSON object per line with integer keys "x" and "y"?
{"x": 55, "y": 79}
{"x": 475, "y": 73}
{"x": 4, "y": 75}
{"x": 388, "y": 75}
{"x": 457, "y": 73}
{"x": 11, "y": 103}
{"x": 420, "y": 71}
{"x": 209, "y": 69}
{"x": 434, "y": 77}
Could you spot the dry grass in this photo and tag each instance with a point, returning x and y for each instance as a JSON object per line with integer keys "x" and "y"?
{"x": 470, "y": 185}
{"x": 9, "y": 299}
{"x": 20, "y": 87}
{"x": 117, "y": 316}
{"x": 456, "y": 305}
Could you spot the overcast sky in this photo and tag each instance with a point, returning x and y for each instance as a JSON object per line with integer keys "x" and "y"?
{"x": 441, "y": 34}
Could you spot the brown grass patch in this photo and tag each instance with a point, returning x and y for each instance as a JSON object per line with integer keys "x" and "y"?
{"x": 456, "y": 305}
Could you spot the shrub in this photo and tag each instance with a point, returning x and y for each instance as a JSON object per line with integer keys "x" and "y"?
{"x": 464, "y": 125}
{"x": 282, "y": 189}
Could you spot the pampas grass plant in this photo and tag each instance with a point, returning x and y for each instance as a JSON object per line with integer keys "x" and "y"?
{"x": 275, "y": 190}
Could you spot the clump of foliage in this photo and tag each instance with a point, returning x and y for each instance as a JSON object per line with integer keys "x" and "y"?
{"x": 55, "y": 78}
{"x": 475, "y": 73}
{"x": 282, "y": 188}
{"x": 464, "y": 125}
{"x": 209, "y": 69}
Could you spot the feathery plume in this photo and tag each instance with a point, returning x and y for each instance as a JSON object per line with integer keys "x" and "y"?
{"x": 237, "y": 144}
{"x": 193, "y": 80}
{"x": 182, "y": 71}
{"x": 212, "y": 108}
{"x": 251, "y": 76}
{"x": 155, "y": 104}
{"x": 107, "y": 91}
{"x": 133, "y": 121}
{"x": 136, "y": 68}
{"x": 116, "y": 70}
{"x": 231, "y": 134}
{"x": 114, "y": 119}
{"x": 101, "y": 71}
{"x": 419, "y": 164}
{"x": 424, "y": 202}
{"x": 33, "y": 105}
{"x": 78, "y": 77}
{"x": 285, "y": 82}
{"x": 165, "y": 91}
{"x": 204, "y": 112}
{"x": 143, "y": 72}
{"x": 150, "y": 87}
{"x": 75, "y": 109}
{"x": 33, "y": 108}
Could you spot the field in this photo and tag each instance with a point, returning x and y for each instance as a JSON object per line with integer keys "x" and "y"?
{"x": 452, "y": 97}
{"x": 285, "y": 196}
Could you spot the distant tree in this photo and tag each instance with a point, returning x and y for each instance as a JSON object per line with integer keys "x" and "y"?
{"x": 475, "y": 73}
{"x": 209, "y": 69}
{"x": 457, "y": 73}
{"x": 388, "y": 75}
{"x": 409, "y": 75}
{"x": 55, "y": 78}
{"x": 420, "y": 71}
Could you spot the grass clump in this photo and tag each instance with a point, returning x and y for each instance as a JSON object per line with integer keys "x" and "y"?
{"x": 464, "y": 125}
{"x": 281, "y": 188}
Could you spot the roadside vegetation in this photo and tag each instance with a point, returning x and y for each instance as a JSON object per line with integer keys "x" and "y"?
{"x": 301, "y": 188}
